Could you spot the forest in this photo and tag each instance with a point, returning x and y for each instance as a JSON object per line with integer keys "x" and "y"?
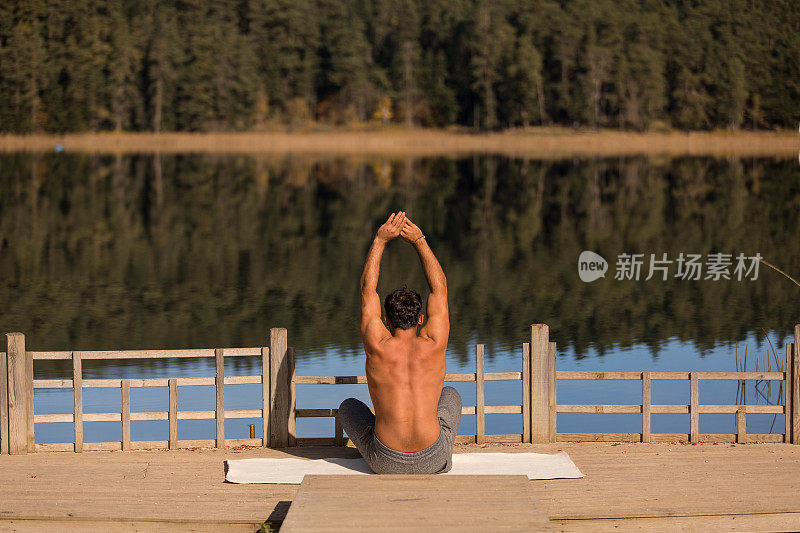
{"x": 263, "y": 65}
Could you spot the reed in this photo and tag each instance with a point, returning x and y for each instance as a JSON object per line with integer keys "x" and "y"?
{"x": 762, "y": 389}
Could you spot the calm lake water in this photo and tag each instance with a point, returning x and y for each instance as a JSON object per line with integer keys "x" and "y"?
{"x": 171, "y": 251}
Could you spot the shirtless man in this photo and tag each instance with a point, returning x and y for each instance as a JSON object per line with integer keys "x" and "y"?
{"x": 416, "y": 419}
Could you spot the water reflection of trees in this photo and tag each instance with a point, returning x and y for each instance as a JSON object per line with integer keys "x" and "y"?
{"x": 204, "y": 250}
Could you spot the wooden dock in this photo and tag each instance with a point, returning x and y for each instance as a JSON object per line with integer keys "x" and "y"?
{"x": 655, "y": 486}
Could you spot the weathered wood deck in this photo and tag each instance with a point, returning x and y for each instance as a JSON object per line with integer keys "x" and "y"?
{"x": 627, "y": 486}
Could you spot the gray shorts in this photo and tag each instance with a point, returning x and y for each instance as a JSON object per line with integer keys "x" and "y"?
{"x": 359, "y": 424}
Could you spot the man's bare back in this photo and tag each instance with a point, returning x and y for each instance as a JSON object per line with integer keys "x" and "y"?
{"x": 405, "y": 375}
{"x": 405, "y": 369}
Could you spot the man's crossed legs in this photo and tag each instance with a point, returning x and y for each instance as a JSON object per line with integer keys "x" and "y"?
{"x": 359, "y": 424}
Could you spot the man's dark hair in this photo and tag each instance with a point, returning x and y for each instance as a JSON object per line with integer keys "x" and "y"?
{"x": 403, "y": 307}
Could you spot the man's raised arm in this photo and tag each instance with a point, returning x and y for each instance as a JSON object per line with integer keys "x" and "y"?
{"x": 372, "y": 329}
{"x": 437, "y": 328}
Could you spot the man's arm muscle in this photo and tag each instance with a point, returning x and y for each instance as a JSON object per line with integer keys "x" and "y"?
{"x": 372, "y": 329}
{"x": 437, "y": 328}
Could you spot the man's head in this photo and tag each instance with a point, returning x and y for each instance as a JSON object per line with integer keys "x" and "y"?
{"x": 403, "y": 308}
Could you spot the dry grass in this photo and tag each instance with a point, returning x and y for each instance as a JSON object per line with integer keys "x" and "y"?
{"x": 540, "y": 143}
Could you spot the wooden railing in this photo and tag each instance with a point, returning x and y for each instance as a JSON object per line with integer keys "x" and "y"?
{"x": 539, "y": 408}
{"x": 17, "y": 418}
{"x": 278, "y": 412}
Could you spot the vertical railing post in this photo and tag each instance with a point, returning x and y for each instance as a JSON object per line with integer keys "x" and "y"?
{"x": 741, "y": 424}
{"x": 480, "y": 397}
{"x": 219, "y": 382}
{"x": 265, "y": 396}
{"x": 788, "y": 395}
{"x": 279, "y": 389}
{"x": 16, "y": 394}
{"x": 172, "y": 416}
{"x": 77, "y": 396}
{"x": 526, "y": 392}
{"x": 796, "y": 387}
{"x": 551, "y": 389}
{"x": 126, "y": 415}
{"x": 646, "y": 406}
{"x": 540, "y": 384}
{"x": 292, "y": 421}
{"x": 31, "y": 438}
{"x": 3, "y": 403}
{"x": 694, "y": 407}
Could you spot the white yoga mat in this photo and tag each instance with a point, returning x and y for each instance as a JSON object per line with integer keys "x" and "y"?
{"x": 292, "y": 469}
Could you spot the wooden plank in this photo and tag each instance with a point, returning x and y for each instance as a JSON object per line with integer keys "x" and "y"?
{"x": 646, "y": 398}
{"x": 415, "y": 503}
{"x": 140, "y": 416}
{"x": 526, "y": 392}
{"x": 669, "y": 375}
{"x": 77, "y": 388}
{"x": 292, "y": 421}
{"x": 787, "y": 394}
{"x": 502, "y": 376}
{"x": 173, "y": 414}
{"x": 243, "y": 413}
{"x": 480, "y": 415}
{"x": 670, "y": 437}
{"x": 590, "y": 374}
{"x": 279, "y": 389}
{"x": 220, "y": 396}
{"x": 736, "y": 376}
{"x": 50, "y": 418}
{"x": 338, "y": 439}
{"x": 502, "y": 409}
{"x": 52, "y": 384}
{"x": 540, "y": 381}
{"x": 796, "y": 387}
{"x": 17, "y": 389}
{"x": 49, "y": 356}
{"x": 126, "y": 415}
{"x": 732, "y": 522}
{"x": 265, "y": 395}
{"x": 694, "y": 412}
{"x": 664, "y": 408}
{"x": 200, "y": 415}
{"x": 148, "y": 354}
{"x": 551, "y": 389}
{"x": 598, "y": 437}
{"x": 306, "y": 413}
{"x": 80, "y": 525}
{"x": 598, "y": 408}
{"x": 741, "y": 423}
{"x": 30, "y": 436}
{"x": 451, "y": 378}
{"x": 766, "y": 409}
{"x": 3, "y": 403}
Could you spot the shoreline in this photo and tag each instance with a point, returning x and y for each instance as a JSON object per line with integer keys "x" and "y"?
{"x": 545, "y": 143}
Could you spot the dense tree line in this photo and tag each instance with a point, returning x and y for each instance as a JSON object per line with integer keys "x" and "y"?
{"x": 164, "y": 65}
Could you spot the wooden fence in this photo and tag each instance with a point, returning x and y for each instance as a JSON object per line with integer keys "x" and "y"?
{"x": 538, "y": 407}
